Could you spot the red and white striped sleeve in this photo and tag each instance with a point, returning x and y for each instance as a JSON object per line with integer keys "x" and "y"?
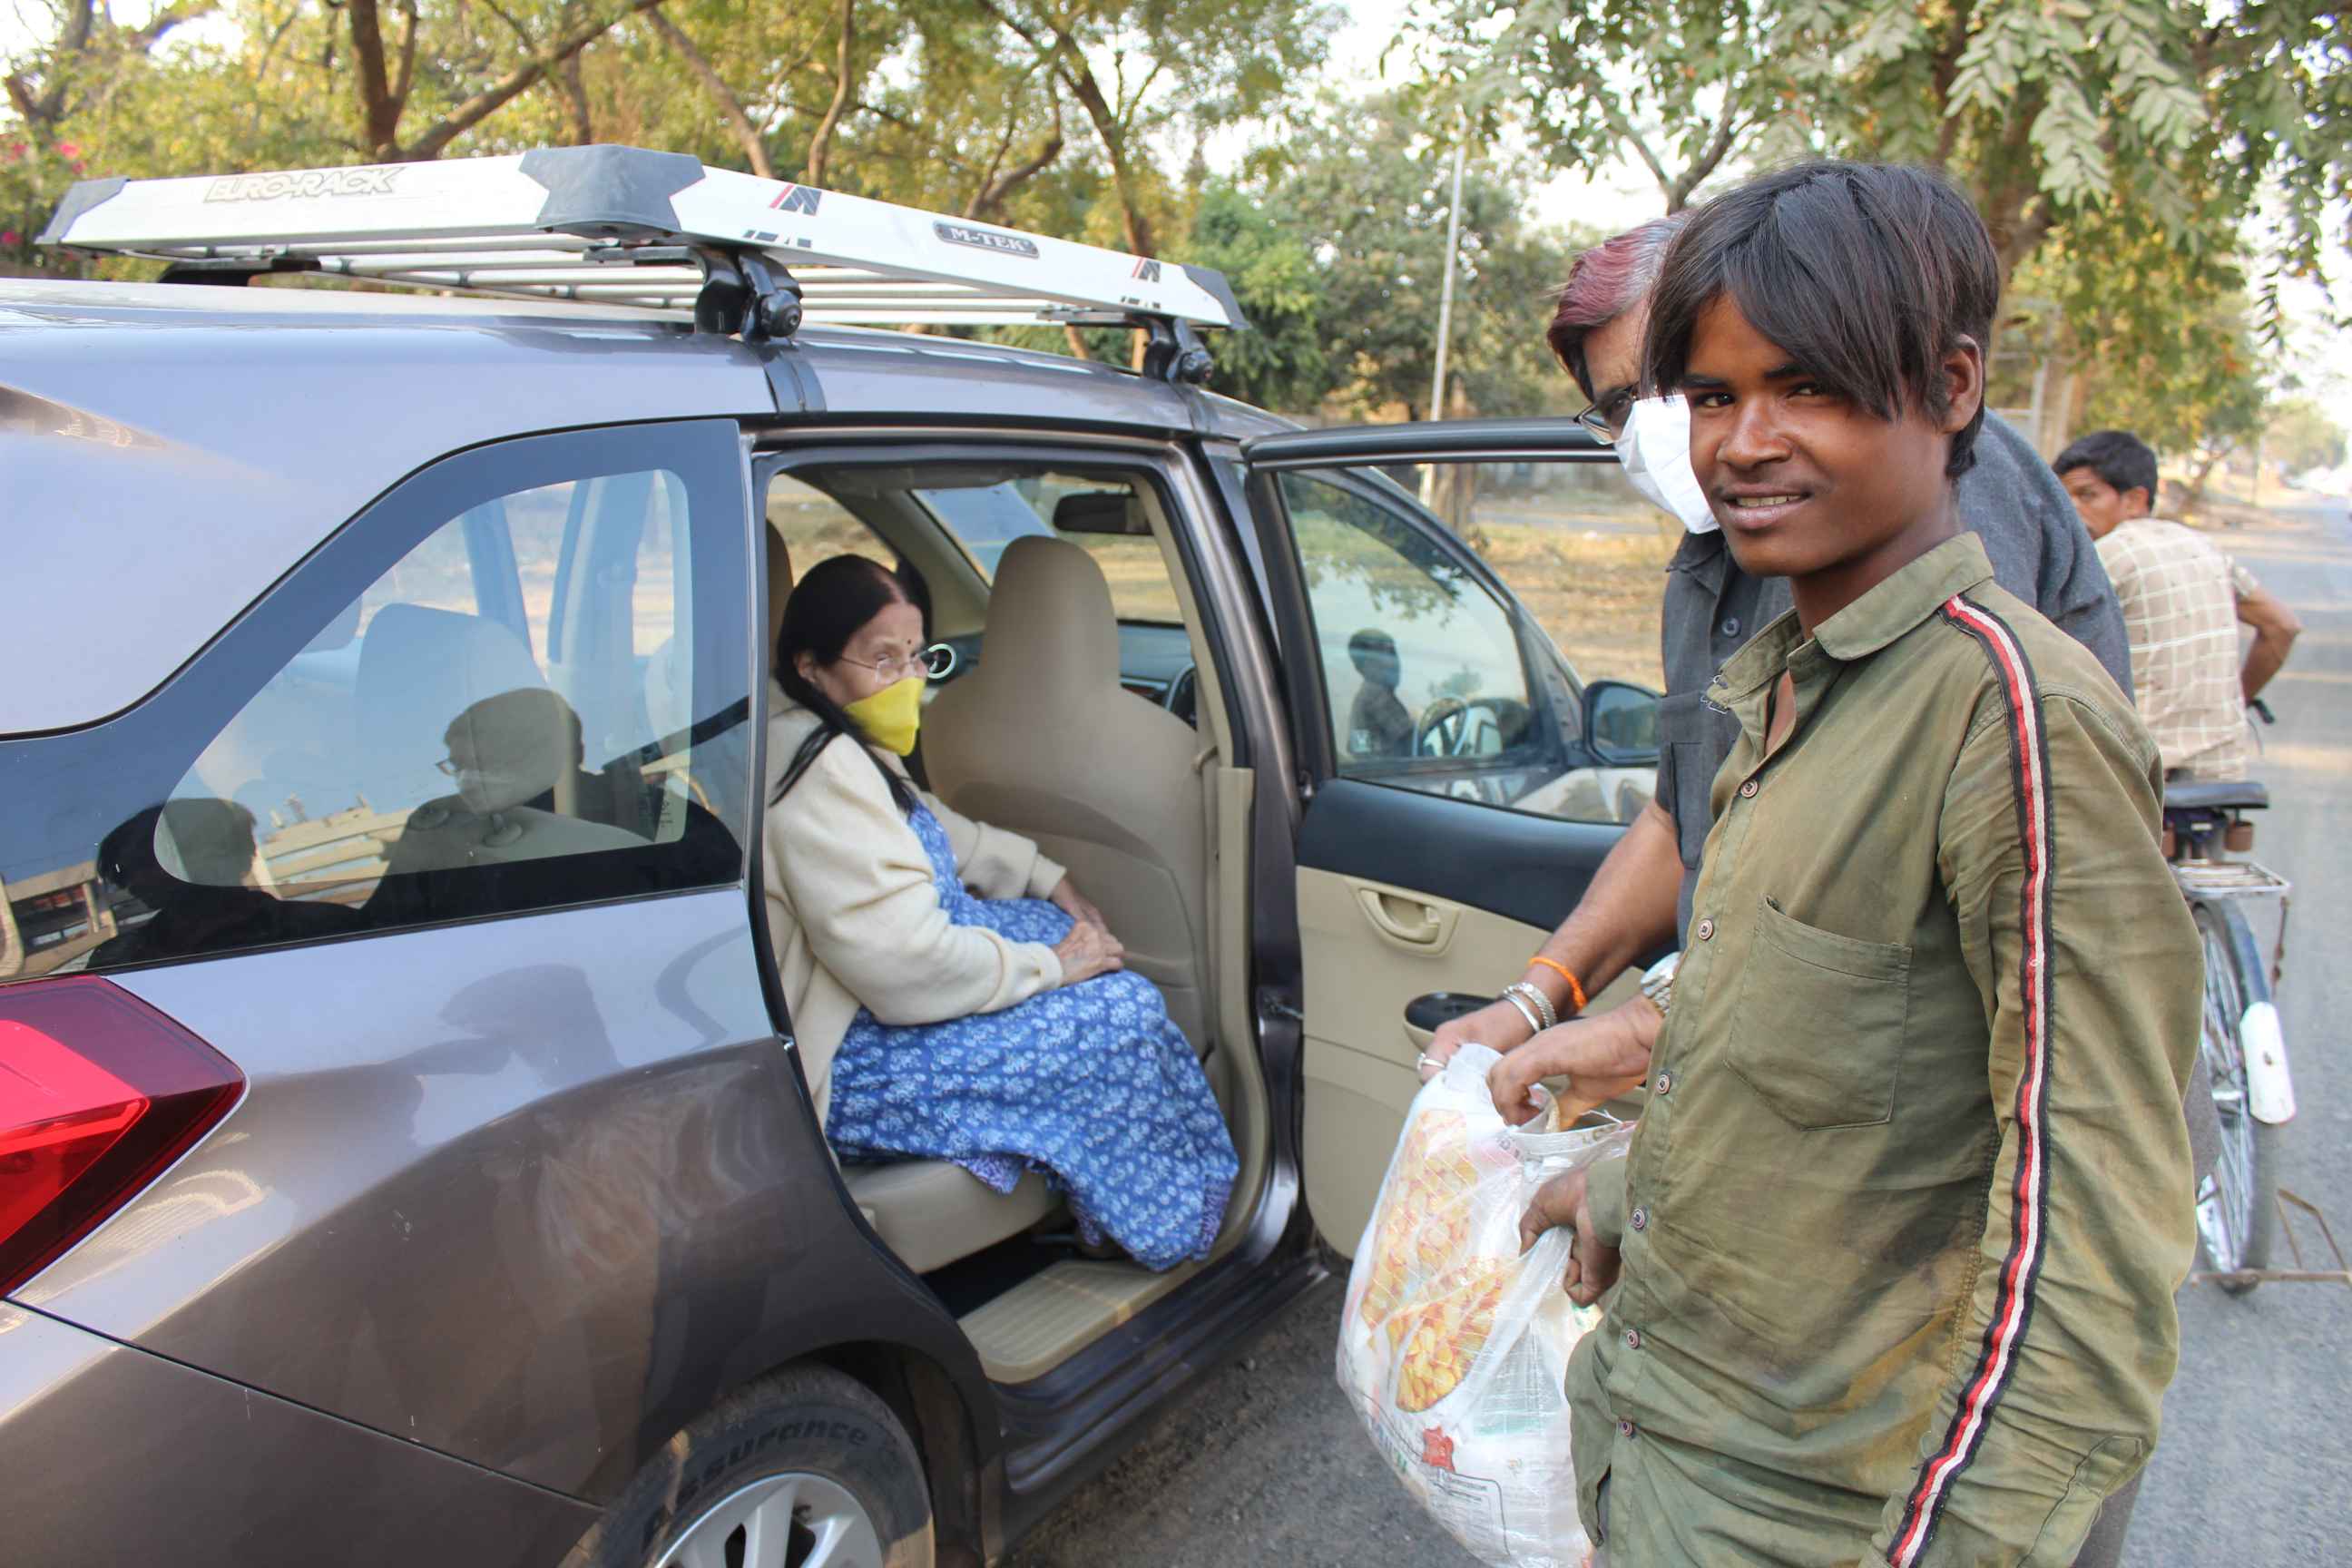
{"x": 2088, "y": 966}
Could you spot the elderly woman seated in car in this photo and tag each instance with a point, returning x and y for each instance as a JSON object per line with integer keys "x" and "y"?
{"x": 954, "y": 996}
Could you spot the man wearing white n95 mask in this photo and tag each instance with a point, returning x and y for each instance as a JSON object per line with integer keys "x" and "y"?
{"x": 1640, "y": 900}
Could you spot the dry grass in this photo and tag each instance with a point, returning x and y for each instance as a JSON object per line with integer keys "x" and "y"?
{"x": 1597, "y": 594}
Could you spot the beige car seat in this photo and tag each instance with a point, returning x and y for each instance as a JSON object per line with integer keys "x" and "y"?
{"x": 1041, "y": 739}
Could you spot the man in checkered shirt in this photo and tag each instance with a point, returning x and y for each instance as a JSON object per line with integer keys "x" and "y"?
{"x": 2183, "y": 599}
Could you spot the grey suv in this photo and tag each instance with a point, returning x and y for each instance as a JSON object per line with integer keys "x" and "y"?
{"x": 403, "y": 1158}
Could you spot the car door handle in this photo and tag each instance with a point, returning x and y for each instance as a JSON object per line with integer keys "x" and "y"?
{"x": 1404, "y": 921}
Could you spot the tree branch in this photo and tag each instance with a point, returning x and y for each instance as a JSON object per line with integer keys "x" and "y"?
{"x": 820, "y": 147}
{"x": 1718, "y": 147}
{"x": 1129, "y": 106}
{"x": 575, "y": 90}
{"x": 522, "y": 33}
{"x": 406, "y": 78}
{"x": 1070, "y": 64}
{"x": 1641, "y": 147}
{"x": 164, "y": 21}
{"x": 989, "y": 200}
{"x": 503, "y": 91}
{"x": 731, "y": 108}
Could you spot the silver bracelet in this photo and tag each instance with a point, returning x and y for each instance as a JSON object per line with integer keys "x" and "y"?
{"x": 1534, "y": 999}
{"x": 1511, "y": 995}
{"x": 1658, "y": 981}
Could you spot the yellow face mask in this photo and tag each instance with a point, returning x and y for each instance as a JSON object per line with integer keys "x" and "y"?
{"x": 891, "y": 715}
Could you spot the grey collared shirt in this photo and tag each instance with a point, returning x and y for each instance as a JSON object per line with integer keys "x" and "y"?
{"x": 2040, "y": 551}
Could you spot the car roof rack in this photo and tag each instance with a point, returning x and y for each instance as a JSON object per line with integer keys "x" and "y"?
{"x": 623, "y": 226}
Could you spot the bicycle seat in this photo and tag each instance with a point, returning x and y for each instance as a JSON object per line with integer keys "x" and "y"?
{"x": 2215, "y": 795}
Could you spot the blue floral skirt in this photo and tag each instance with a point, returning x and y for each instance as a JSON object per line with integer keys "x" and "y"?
{"x": 1090, "y": 1084}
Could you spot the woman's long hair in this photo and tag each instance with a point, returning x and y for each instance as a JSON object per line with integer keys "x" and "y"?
{"x": 828, "y": 606}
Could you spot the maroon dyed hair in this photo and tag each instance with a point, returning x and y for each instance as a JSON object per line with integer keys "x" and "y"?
{"x": 1605, "y": 282}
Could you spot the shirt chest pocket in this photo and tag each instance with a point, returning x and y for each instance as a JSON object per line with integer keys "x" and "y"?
{"x": 1817, "y": 1029}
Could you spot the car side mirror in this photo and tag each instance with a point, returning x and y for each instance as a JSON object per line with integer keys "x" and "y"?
{"x": 1621, "y": 723}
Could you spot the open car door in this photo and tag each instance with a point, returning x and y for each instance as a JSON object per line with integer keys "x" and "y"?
{"x": 1461, "y": 782}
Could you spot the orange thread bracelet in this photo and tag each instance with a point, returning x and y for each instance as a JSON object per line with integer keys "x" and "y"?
{"x": 1575, "y": 990}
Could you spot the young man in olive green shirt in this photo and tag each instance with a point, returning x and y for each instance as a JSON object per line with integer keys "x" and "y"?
{"x": 1900, "y": 1233}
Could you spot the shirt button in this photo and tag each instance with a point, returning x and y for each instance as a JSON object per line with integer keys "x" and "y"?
{"x": 1748, "y": 790}
{"x": 1665, "y": 1083}
{"x": 1624, "y": 1429}
{"x": 1632, "y": 1339}
{"x": 1705, "y": 929}
{"x": 1639, "y": 1220}
{"x": 1731, "y": 626}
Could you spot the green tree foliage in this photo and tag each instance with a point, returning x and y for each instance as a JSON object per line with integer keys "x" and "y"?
{"x": 1284, "y": 361}
{"x": 2159, "y": 337}
{"x": 1339, "y": 247}
{"x": 2302, "y": 437}
{"x": 85, "y": 60}
{"x": 1057, "y": 117}
{"x": 1138, "y": 69}
{"x": 2045, "y": 109}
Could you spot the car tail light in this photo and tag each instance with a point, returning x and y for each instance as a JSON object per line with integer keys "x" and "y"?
{"x": 98, "y": 1092}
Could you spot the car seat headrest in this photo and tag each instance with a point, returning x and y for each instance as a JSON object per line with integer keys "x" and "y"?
{"x": 1051, "y": 628}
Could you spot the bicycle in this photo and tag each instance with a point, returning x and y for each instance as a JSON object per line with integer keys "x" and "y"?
{"x": 2241, "y": 1044}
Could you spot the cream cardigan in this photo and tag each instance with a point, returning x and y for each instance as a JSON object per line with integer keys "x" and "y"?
{"x": 853, "y": 916}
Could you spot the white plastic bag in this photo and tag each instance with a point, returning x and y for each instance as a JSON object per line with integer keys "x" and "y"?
{"x": 1453, "y": 1348}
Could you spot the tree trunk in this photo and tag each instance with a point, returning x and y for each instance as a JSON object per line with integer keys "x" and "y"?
{"x": 379, "y": 110}
{"x": 1080, "y": 78}
{"x": 512, "y": 86}
{"x": 575, "y": 92}
{"x": 2206, "y": 461}
{"x": 988, "y": 202}
{"x": 820, "y": 148}
{"x": 731, "y": 108}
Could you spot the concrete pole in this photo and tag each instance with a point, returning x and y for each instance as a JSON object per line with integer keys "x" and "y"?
{"x": 1445, "y": 310}
{"x": 1445, "y": 288}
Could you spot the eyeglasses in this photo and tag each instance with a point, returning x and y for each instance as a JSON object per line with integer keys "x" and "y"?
{"x": 1607, "y": 421}
{"x": 449, "y": 766}
{"x": 927, "y": 664}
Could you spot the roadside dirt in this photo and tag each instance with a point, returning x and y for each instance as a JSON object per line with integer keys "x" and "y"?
{"x": 1263, "y": 1462}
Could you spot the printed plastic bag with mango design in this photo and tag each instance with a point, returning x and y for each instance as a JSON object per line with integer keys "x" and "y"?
{"x": 1453, "y": 1348}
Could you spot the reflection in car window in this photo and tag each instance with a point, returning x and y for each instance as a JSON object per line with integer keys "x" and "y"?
{"x": 1423, "y": 668}
{"x": 436, "y": 739}
{"x": 1582, "y": 549}
{"x": 520, "y": 709}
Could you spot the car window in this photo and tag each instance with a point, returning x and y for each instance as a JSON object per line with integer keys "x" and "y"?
{"x": 1582, "y": 551}
{"x": 541, "y": 697}
{"x": 815, "y": 527}
{"x": 1101, "y": 514}
{"x": 1425, "y": 668}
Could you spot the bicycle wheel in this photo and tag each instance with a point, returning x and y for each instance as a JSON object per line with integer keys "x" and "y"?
{"x": 2236, "y": 1210}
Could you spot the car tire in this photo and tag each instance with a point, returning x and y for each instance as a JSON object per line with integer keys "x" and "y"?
{"x": 807, "y": 1469}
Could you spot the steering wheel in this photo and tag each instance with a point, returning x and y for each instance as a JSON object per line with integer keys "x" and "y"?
{"x": 1448, "y": 718}
{"x": 1183, "y": 697}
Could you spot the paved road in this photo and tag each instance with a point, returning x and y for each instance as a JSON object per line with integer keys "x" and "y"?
{"x": 1264, "y": 1463}
{"x": 2255, "y": 1464}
